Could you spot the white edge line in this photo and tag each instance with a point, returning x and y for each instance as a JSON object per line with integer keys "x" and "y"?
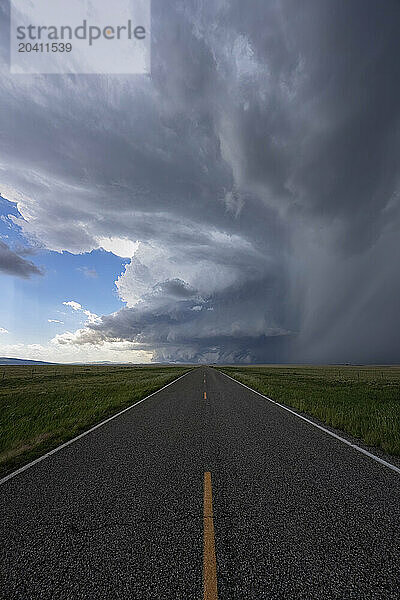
{"x": 338, "y": 437}
{"x": 81, "y": 435}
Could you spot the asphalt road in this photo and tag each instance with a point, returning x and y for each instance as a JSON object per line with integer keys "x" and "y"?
{"x": 119, "y": 513}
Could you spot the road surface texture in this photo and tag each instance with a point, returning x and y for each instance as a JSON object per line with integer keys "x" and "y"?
{"x": 119, "y": 513}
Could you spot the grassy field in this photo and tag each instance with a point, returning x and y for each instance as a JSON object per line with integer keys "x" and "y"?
{"x": 363, "y": 401}
{"x": 43, "y": 406}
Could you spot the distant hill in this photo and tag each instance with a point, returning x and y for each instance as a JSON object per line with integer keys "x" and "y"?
{"x": 106, "y": 363}
{"x": 22, "y": 361}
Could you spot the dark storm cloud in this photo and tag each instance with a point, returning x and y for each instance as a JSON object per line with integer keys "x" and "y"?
{"x": 12, "y": 263}
{"x": 175, "y": 288}
{"x": 258, "y": 166}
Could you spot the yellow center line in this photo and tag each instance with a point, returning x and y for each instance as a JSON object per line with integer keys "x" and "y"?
{"x": 209, "y": 562}
{"x": 205, "y": 396}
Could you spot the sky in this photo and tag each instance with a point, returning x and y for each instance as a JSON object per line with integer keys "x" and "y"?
{"x": 238, "y": 204}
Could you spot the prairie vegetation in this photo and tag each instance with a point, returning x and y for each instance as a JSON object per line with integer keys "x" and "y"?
{"x": 43, "y": 406}
{"x": 362, "y": 401}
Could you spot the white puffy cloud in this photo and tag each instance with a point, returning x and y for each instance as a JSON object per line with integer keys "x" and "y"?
{"x": 218, "y": 263}
{"x": 54, "y": 352}
{"x": 123, "y": 247}
{"x": 76, "y": 306}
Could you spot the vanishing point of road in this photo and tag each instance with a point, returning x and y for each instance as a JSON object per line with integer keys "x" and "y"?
{"x": 203, "y": 490}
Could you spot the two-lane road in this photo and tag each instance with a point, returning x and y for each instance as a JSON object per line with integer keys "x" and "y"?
{"x": 121, "y": 512}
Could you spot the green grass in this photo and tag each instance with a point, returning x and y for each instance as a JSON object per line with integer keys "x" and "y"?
{"x": 362, "y": 401}
{"x": 43, "y": 406}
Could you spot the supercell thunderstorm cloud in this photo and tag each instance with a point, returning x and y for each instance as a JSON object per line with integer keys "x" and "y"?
{"x": 255, "y": 172}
